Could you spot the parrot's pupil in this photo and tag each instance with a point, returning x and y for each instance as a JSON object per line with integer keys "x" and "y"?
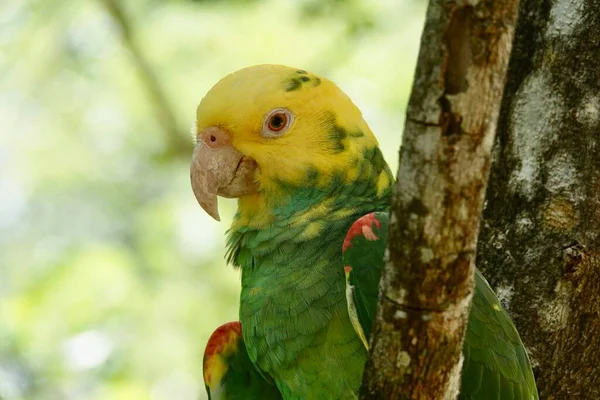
{"x": 276, "y": 121}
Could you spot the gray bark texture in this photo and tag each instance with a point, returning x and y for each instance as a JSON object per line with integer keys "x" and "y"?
{"x": 540, "y": 238}
{"x": 427, "y": 282}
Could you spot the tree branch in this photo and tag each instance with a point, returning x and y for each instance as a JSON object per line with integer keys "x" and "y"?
{"x": 416, "y": 346}
{"x": 177, "y": 143}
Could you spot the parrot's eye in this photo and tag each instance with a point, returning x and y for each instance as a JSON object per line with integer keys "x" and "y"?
{"x": 277, "y": 121}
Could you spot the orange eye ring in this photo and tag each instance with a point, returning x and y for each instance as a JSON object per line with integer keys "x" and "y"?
{"x": 277, "y": 121}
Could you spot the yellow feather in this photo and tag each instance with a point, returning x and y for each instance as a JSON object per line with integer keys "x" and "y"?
{"x": 312, "y": 230}
{"x": 383, "y": 183}
{"x": 354, "y": 315}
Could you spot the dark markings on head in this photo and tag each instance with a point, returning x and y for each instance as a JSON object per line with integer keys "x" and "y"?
{"x": 293, "y": 84}
{"x": 312, "y": 173}
{"x": 356, "y": 134}
{"x": 337, "y": 134}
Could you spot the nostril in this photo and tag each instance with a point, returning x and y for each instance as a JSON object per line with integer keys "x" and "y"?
{"x": 213, "y": 138}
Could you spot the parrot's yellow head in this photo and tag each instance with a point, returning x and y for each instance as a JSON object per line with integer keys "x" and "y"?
{"x": 266, "y": 130}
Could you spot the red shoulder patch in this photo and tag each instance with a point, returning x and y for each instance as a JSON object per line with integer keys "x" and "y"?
{"x": 222, "y": 341}
{"x": 362, "y": 226}
{"x": 221, "y": 337}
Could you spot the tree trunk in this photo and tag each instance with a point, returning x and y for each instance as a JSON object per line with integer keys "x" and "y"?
{"x": 427, "y": 282}
{"x": 540, "y": 239}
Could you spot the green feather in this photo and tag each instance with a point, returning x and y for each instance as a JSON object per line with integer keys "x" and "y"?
{"x": 292, "y": 304}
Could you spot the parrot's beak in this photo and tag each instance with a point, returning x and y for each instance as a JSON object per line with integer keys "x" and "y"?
{"x": 219, "y": 169}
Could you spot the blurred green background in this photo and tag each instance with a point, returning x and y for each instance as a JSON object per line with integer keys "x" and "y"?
{"x": 111, "y": 276}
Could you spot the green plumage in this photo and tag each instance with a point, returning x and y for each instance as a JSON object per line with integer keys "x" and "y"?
{"x": 293, "y": 308}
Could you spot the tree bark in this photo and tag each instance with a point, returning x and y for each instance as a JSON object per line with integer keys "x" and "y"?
{"x": 427, "y": 282}
{"x": 540, "y": 240}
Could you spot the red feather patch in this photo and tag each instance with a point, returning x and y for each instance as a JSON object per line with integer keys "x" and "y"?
{"x": 362, "y": 226}
{"x": 219, "y": 340}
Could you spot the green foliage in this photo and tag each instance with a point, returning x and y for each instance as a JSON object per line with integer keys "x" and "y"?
{"x": 111, "y": 276}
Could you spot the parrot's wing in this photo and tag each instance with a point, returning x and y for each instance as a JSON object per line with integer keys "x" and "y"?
{"x": 362, "y": 253}
{"x": 496, "y": 361}
{"x": 496, "y": 365}
{"x": 228, "y": 372}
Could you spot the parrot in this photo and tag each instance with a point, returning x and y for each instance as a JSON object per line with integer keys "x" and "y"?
{"x": 309, "y": 235}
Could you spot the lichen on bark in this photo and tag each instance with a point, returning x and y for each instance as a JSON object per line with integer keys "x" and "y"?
{"x": 541, "y": 229}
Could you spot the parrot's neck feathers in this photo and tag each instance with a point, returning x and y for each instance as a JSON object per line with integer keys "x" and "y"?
{"x": 317, "y": 193}
{"x": 306, "y": 211}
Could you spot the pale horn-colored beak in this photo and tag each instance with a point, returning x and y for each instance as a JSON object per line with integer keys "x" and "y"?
{"x": 219, "y": 169}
